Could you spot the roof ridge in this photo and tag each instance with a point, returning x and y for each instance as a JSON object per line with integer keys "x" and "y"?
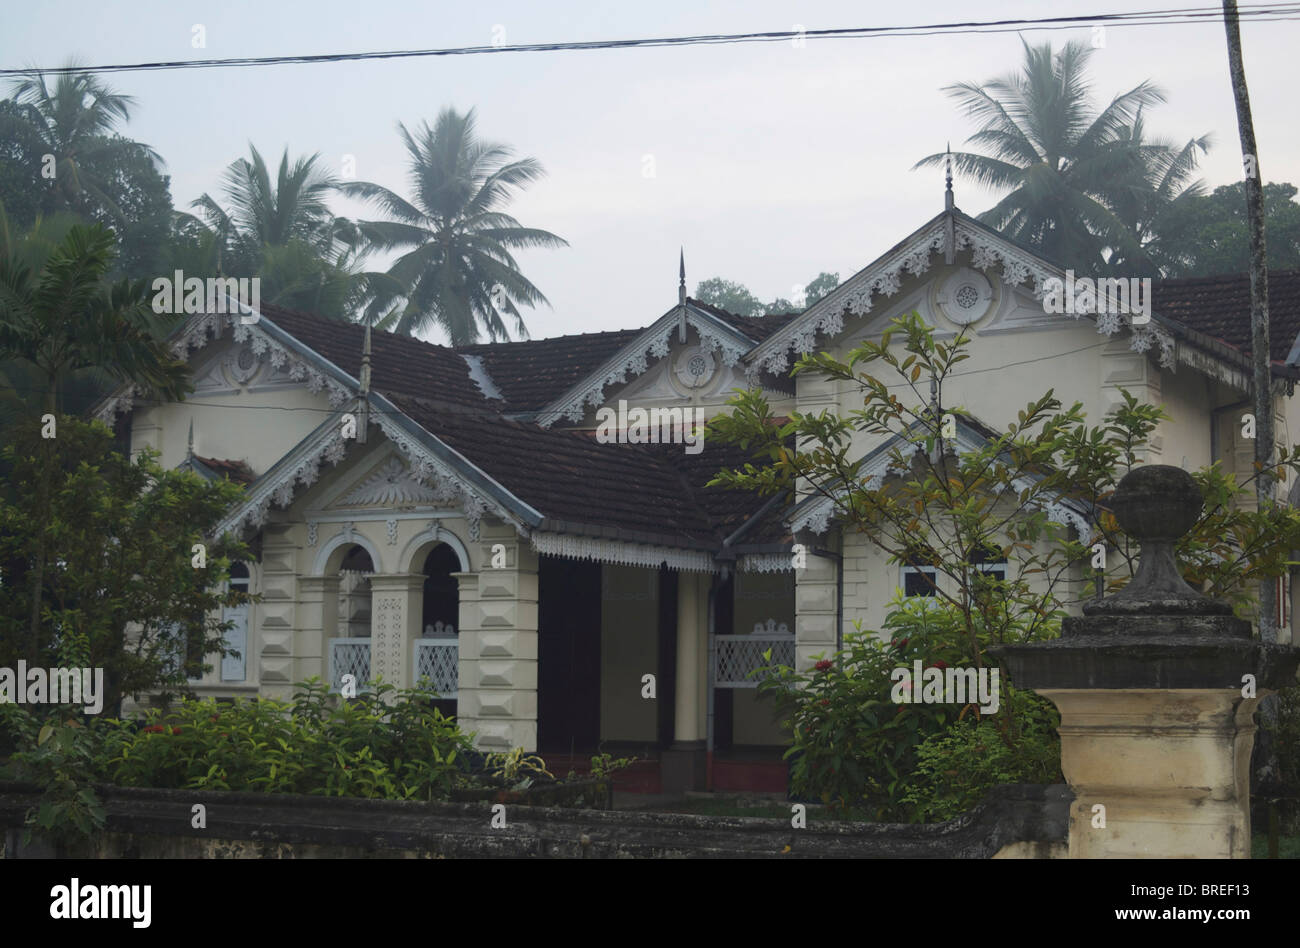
{"x": 269, "y": 310}
{"x": 563, "y": 336}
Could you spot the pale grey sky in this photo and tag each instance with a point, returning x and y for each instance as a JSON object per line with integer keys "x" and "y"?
{"x": 771, "y": 162}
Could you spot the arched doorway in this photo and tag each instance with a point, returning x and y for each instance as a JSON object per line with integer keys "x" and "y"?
{"x": 437, "y": 653}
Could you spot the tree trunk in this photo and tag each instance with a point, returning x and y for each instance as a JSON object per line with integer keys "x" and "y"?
{"x": 50, "y": 405}
{"x": 1265, "y": 758}
{"x": 1259, "y": 327}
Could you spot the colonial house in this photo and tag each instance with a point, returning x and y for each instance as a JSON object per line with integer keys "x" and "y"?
{"x": 424, "y": 511}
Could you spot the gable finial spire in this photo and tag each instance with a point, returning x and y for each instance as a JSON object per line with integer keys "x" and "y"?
{"x": 681, "y": 296}
{"x": 947, "y": 178}
{"x": 189, "y": 446}
{"x": 949, "y": 228}
{"x": 365, "y": 363}
{"x": 681, "y": 277}
{"x": 363, "y": 391}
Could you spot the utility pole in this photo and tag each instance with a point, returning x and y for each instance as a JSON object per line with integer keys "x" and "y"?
{"x": 1265, "y": 762}
{"x": 1259, "y": 336}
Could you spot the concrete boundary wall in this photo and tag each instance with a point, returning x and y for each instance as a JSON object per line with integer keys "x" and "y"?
{"x": 1013, "y": 821}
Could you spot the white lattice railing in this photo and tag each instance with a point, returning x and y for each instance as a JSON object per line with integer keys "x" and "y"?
{"x": 349, "y": 657}
{"x": 438, "y": 659}
{"x": 738, "y": 655}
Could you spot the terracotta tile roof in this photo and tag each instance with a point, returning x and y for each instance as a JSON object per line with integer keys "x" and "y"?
{"x": 650, "y": 490}
{"x": 534, "y": 373}
{"x": 655, "y": 493}
{"x": 1219, "y": 307}
{"x": 398, "y": 364}
{"x": 756, "y": 328}
{"x": 237, "y": 471}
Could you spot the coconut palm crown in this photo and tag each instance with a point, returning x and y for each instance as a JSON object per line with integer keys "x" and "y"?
{"x": 457, "y": 272}
{"x": 1070, "y": 171}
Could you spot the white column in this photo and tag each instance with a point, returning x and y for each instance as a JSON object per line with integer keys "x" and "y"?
{"x": 692, "y": 653}
{"x": 396, "y": 603}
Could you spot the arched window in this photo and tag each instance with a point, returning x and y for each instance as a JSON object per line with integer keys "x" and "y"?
{"x": 235, "y": 667}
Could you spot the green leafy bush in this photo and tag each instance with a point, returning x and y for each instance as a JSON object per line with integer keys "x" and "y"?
{"x": 852, "y": 746}
{"x": 363, "y": 747}
{"x": 855, "y": 748}
{"x": 957, "y": 768}
{"x": 56, "y": 752}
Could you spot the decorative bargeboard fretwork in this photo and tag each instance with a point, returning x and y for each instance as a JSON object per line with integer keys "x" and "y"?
{"x": 438, "y": 660}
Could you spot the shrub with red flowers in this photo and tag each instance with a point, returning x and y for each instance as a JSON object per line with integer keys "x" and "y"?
{"x": 824, "y": 665}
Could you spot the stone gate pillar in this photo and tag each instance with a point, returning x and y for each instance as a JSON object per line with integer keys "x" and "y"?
{"x": 1157, "y": 687}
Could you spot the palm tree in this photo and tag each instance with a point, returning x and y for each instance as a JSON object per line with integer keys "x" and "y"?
{"x": 1157, "y": 186}
{"x": 457, "y": 273}
{"x": 1067, "y": 167}
{"x": 270, "y": 213}
{"x": 282, "y": 232}
{"x": 74, "y": 120}
{"x": 61, "y": 317}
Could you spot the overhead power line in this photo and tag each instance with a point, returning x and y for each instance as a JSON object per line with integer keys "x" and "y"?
{"x": 1265, "y": 12}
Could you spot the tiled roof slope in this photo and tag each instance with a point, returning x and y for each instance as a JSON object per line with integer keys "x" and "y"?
{"x": 1219, "y": 306}
{"x": 756, "y": 328}
{"x": 398, "y": 364}
{"x": 237, "y": 471}
{"x": 532, "y": 374}
{"x": 655, "y": 492}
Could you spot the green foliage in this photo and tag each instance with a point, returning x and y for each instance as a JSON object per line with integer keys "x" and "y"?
{"x": 606, "y": 765}
{"x": 1286, "y": 738}
{"x": 112, "y": 537}
{"x": 59, "y": 314}
{"x": 736, "y": 298}
{"x": 852, "y": 747}
{"x": 100, "y": 175}
{"x": 1208, "y": 234}
{"x": 1082, "y": 186}
{"x": 456, "y": 271}
{"x": 385, "y": 744}
{"x": 56, "y": 752}
{"x": 957, "y": 768}
{"x": 999, "y": 499}
{"x": 729, "y": 295}
{"x": 510, "y": 765}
